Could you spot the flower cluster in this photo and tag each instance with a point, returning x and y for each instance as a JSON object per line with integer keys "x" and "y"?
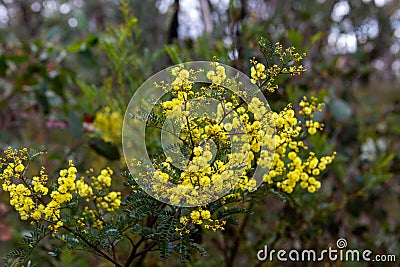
{"x": 257, "y": 71}
{"x": 217, "y": 76}
{"x": 36, "y": 199}
{"x": 288, "y": 63}
{"x": 108, "y": 125}
{"x": 293, "y": 164}
{"x": 232, "y": 140}
{"x": 228, "y": 128}
{"x": 199, "y": 217}
{"x": 308, "y": 108}
{"x": 289, "y": 168}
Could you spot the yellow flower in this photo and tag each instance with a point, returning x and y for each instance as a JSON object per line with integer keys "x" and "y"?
{"x": 108, "y": 123}
{"x": 19, "y": 168}
{"x": 311, "y": 189}
{"x": 195, "y": 215}
{"x": 205, "y": 214}
{"x": 312, "y": 130}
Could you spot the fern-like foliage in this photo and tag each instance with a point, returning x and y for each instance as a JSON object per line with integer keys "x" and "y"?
{"x": 18, "y": 257}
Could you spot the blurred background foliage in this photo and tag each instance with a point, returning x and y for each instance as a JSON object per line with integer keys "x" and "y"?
{"x": 65, "y": 63}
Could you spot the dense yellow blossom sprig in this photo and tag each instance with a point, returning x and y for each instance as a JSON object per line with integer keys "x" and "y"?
{"x": 37, "y": 199}
{"x": 292, "y": 165}
{"x": 308, "y": 108}
{"x": 231, "y": 123}
{"x": 199, "y": 216}
{"x": 108, "y": 124}
{"x": 289, "y": 167}
{"x": 289, "y": 63}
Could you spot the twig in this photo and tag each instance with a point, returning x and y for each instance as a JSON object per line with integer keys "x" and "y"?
{"x": 237, "y": 238}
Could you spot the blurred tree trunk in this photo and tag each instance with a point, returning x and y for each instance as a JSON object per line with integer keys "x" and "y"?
{"x": 236, "y": 18}
{"x": 205, "y": 11}
{"x": 173, "y": 28}
{"x": 28, "y": 19}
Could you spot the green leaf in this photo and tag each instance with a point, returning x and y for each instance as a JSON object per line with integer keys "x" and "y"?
{"x": 82, "y": 20}
{"x": 103, "y": 148}
{"x": 316, "y": 37}
{"x": 15, "y": 257}
{"x": 341, "y": 110}
{"x": 18, "y": 59}
{"x": 230, "y": 211}
{"x": 87, "y": 43}
{"x": 90, "y": 91}
{"x": 36, "y": 154}
{"x": 90, "y": 42}
{"x": 52, "y": 33}
{"x": 42, "y": 99}
{"x": 280, "y": 195}
{"x": 57, "y": 85}
{"x": 166, "y": 231}
{"x": 266, "y": 47}
{"x": 290, "y": 92}
{"x": 198, "y": 248}
{"x": 380, "y": 179}
{"x": 295, "y": 38}
{"x": 375, "y": 180}
{"x": 87, "y": 59}
{"x": 3, "y": 66}
{"x": 385, "y": 161}
{"x": 75, "y": 126}
{"x": 173, "y": 53}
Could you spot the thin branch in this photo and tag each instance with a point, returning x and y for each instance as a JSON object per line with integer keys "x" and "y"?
{"x": 97, "y": 250}
{"x": 237, "y": 239}
{"x": 146, "y": 249}
{"x": 133, "y": 254}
